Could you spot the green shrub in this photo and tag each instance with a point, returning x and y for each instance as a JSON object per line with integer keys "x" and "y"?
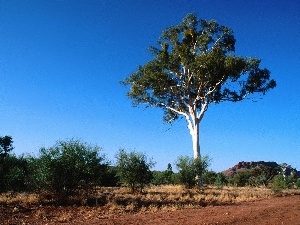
{"x": 67, "y": 166}
{"x": 110, "y": 178}
{"x": 13, "y": 173}
{"x": 213, "y": 178}
{"x": 221, "y": 180}
{"x": 242, "y": 178}
{"x": 209, "y": 177}
{"x": 133, "y": 169}
{"x": 13, "y": 170}
{"x": 187, "y": 171}
{"x": 191, "y": 170}
{"x": 163, "y": 177}
{"x": 256, "y": 176}
{"x": 278, "y": 183}
{"x": 158, "y": 178}
{"x": 176, "y": 179}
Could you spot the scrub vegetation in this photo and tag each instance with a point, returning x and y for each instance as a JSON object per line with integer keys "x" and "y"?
{"x": 76, "y": 173}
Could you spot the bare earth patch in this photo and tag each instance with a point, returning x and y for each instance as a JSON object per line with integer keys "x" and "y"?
{"x": 276, "y": 210}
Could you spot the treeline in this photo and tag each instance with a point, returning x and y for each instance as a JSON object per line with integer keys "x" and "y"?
{"x": 72, "y": 167}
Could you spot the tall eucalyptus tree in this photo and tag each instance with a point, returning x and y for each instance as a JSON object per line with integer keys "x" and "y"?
{"x": 194, "y": 67}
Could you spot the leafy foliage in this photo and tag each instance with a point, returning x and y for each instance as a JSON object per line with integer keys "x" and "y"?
{"x": 256, "y": 176}
{"x": 190, "y": 169}
{"x": 214, "y": 178}
{"x": 279, "y": 183}
{"x": 187, "y": 171}
{"x": 109, "y": 178}
{"x": 13, "y": 173}
{"x": 242, "y": 177}
{"x": 133, "y": 169}
{"x": 67, "y": 166}
{"x": 5, "y": 145}
{"x": 221, "y": 180}
{"x": 13, "y": 169}
{"x": 194, "y": 67}
{"x": 209, "y": 177}
{"x": 164, "y": 177}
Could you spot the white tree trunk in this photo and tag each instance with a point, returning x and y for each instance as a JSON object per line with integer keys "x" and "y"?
{"x": 196, "y": 140}
{"x": 193, "y": 125}
{"x": 193, "y": 120}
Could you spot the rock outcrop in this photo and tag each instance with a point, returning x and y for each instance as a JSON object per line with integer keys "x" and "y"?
{"x": 283, "y": 168}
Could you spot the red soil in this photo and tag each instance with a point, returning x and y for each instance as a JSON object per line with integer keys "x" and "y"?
{"x": 277, "y": 210}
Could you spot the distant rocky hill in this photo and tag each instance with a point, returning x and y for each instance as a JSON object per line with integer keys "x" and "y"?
{"x": 283, "y": 168}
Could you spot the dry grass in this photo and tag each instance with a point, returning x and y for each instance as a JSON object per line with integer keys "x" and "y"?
{"x": 170, "y": 198}
{"x": 14, "y": 198}
{"x": 153, "y": 199}
{"x": 64, "y": 217}
{"x": 40, "y": 214}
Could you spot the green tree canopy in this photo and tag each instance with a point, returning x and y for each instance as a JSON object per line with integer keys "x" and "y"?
{"x": 194, "y": 67}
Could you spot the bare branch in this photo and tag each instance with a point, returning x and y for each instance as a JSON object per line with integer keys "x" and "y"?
{"x": 173, "y": 109}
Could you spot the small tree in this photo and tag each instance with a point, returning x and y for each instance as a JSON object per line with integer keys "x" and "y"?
{"x": 168, "y": 173}
{"x": 66, "y": 166}
{"x": 5, "y": 145}
{"x": 190, "y": 168}
{"x": 133, "y": 169}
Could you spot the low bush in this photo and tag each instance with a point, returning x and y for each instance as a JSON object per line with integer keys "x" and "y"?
{"x": 278, "y": 183}
{"x": 13, "y": 173}
{"x": 133, "y": 170}
{"x": 67, "y": 166}
{"x": 191, "y": 170}
{"x": 242, "y": 178}
{"x": 163, "y": 177}
{"x": 221, "y": 180}
{"x": 209, "y": 177}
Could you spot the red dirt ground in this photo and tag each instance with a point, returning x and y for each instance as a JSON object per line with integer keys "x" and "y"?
{"x": 277, "y": 210}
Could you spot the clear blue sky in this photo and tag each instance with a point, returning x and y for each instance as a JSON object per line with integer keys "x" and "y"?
{"x": 61, "y": 62}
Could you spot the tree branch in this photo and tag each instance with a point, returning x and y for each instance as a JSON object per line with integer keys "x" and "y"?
{"x": 215, "y": 86}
